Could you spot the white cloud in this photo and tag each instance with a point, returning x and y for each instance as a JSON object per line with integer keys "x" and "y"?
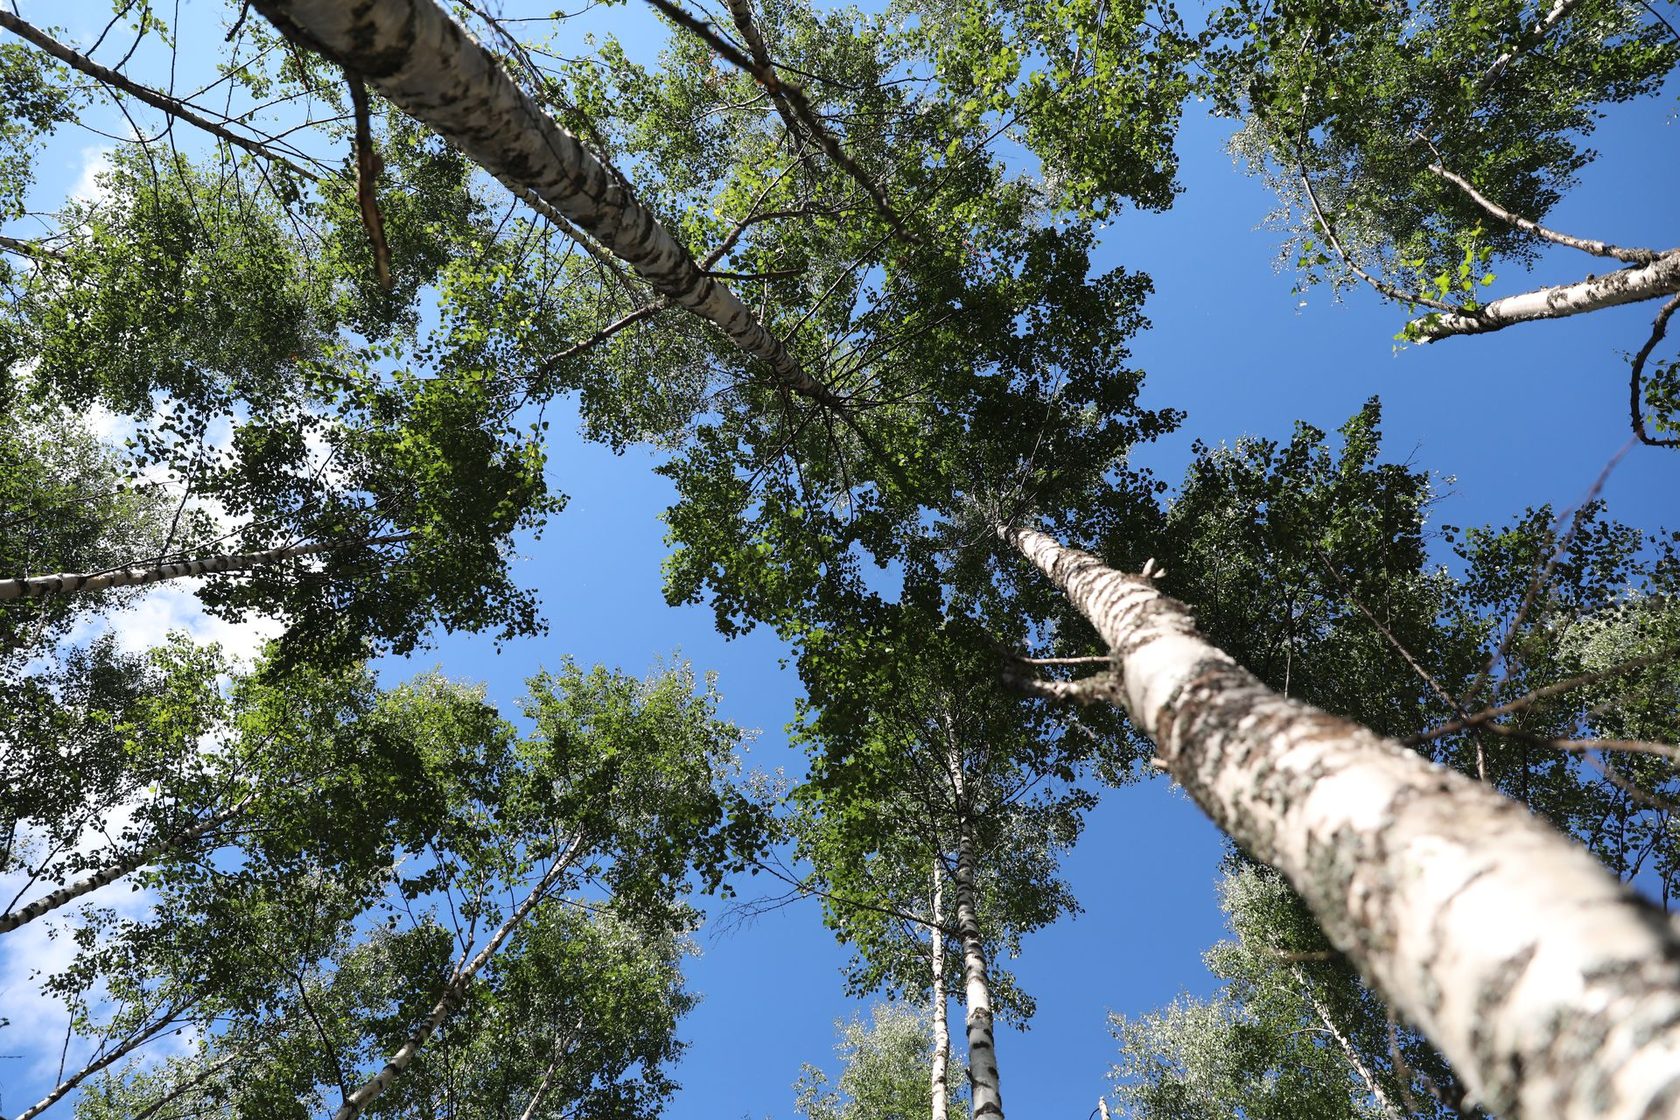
{"x": 87, "y": 187}
{"x": 173, "y": 606}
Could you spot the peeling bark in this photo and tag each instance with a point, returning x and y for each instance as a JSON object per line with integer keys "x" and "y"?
{"x": 1552, "y": 989}
{"x": 1627, "y": 285}
{"x": 68, "y": 583}
{"x": 431, "y": 67}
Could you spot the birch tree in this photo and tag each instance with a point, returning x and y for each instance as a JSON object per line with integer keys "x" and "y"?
{"x": 1414, "y": 848}
{"x": 911, "y": 768}
{"x": 378, "y": 978}
{"x": 65, "y": 505}
{"x": 1414, "y": 146}
{"x": 1276, "y": 1039}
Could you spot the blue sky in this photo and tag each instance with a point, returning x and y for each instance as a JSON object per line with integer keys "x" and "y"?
{"x": 1527, "y": 416}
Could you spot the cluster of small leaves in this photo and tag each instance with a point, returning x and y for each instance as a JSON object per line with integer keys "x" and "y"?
{"x": 367, "y": 841}
{"x": 884, "y": 1071}
{"x": 1362, "y": 98}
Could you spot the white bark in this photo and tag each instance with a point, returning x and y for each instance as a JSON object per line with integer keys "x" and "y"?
{"x": 431, "y": 67}
{"x": 982, "y": 1047}
{"x": 453, "y": 992}
{"x": 66, "y": 583}
{"x": 1553, "y": 990}
{"x": 1627, "y": 285}
{"x": 110, "y": 874}
{"x": 941, "y": 1025}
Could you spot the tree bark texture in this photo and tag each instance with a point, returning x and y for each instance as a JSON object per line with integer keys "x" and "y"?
{"x": 982, "y": 1048}
{"x": 1627, "y": 285}
{"x": 1553, "y": 990}
{"x": 68, "y": 583}
{"x": 431, "y": 67}
{"x": 940, "y": 1080}
{"x": 110, "y": 874}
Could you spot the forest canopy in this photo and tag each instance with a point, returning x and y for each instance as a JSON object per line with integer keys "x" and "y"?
{"x": 921, "y": 366}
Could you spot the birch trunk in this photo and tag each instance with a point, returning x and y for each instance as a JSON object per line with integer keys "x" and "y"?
{"x": 1627, "y": 285}
{"x": 453, "y": 992}
{"x": 431, "y": 67}
{"x": 982, "y": 1049}
{"x": 122, "y": 1050}
{"x": 65, "y": 895}
{"x": 941, "y": 1025}
{"x": 68, "y": 583}
{"x": 1553, "y": 990}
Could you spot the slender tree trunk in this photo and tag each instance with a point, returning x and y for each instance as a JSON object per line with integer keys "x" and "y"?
{"x": 430, "y": 66}
{"x": 1627, "y": 285}
{"x": 453, "y": 992}
{"x": 562, "y": 1047}
{"x": 110, "y": 874}
{"x": 982, "y": 1048}
{"x": 122, "y": 1050}
{"x": 67, "y": 583}
{"x": 1553, "y": 990}
{"x": 941, "y": 1025}
{"x": 1349, "y": 1052}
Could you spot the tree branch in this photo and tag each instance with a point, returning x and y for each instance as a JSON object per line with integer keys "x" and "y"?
{"x": 170, "y": 105}
{"x": 1629, "y": 285}
{"x": 1636, "y": 377}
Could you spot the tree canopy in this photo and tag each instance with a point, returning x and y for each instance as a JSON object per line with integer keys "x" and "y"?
{"x": 296, "y": 346}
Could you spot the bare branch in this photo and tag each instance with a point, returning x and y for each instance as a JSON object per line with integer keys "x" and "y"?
{"x": 1329, "y": 233}
{"x": 369, "y": 165}
{"x": 1585, "y": 245}
{"x": 171, "y": 105}
{"x": 1636, "y": 412}
{"x": 791, "y": 103}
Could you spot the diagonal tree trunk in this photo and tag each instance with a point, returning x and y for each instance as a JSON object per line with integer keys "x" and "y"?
{"x": 111, "y": 873}
{"x": 430, "y": 66}
{"x": 941, "y": 1025}
{"x": 1626, "y": 285}
{"x": 1553, "y": 990}
{"x": 453, "y": 993}
{"x": 127, "y": 1046}
{"x": 67, "y": 583}
{"x": 1350, "y": 1052}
